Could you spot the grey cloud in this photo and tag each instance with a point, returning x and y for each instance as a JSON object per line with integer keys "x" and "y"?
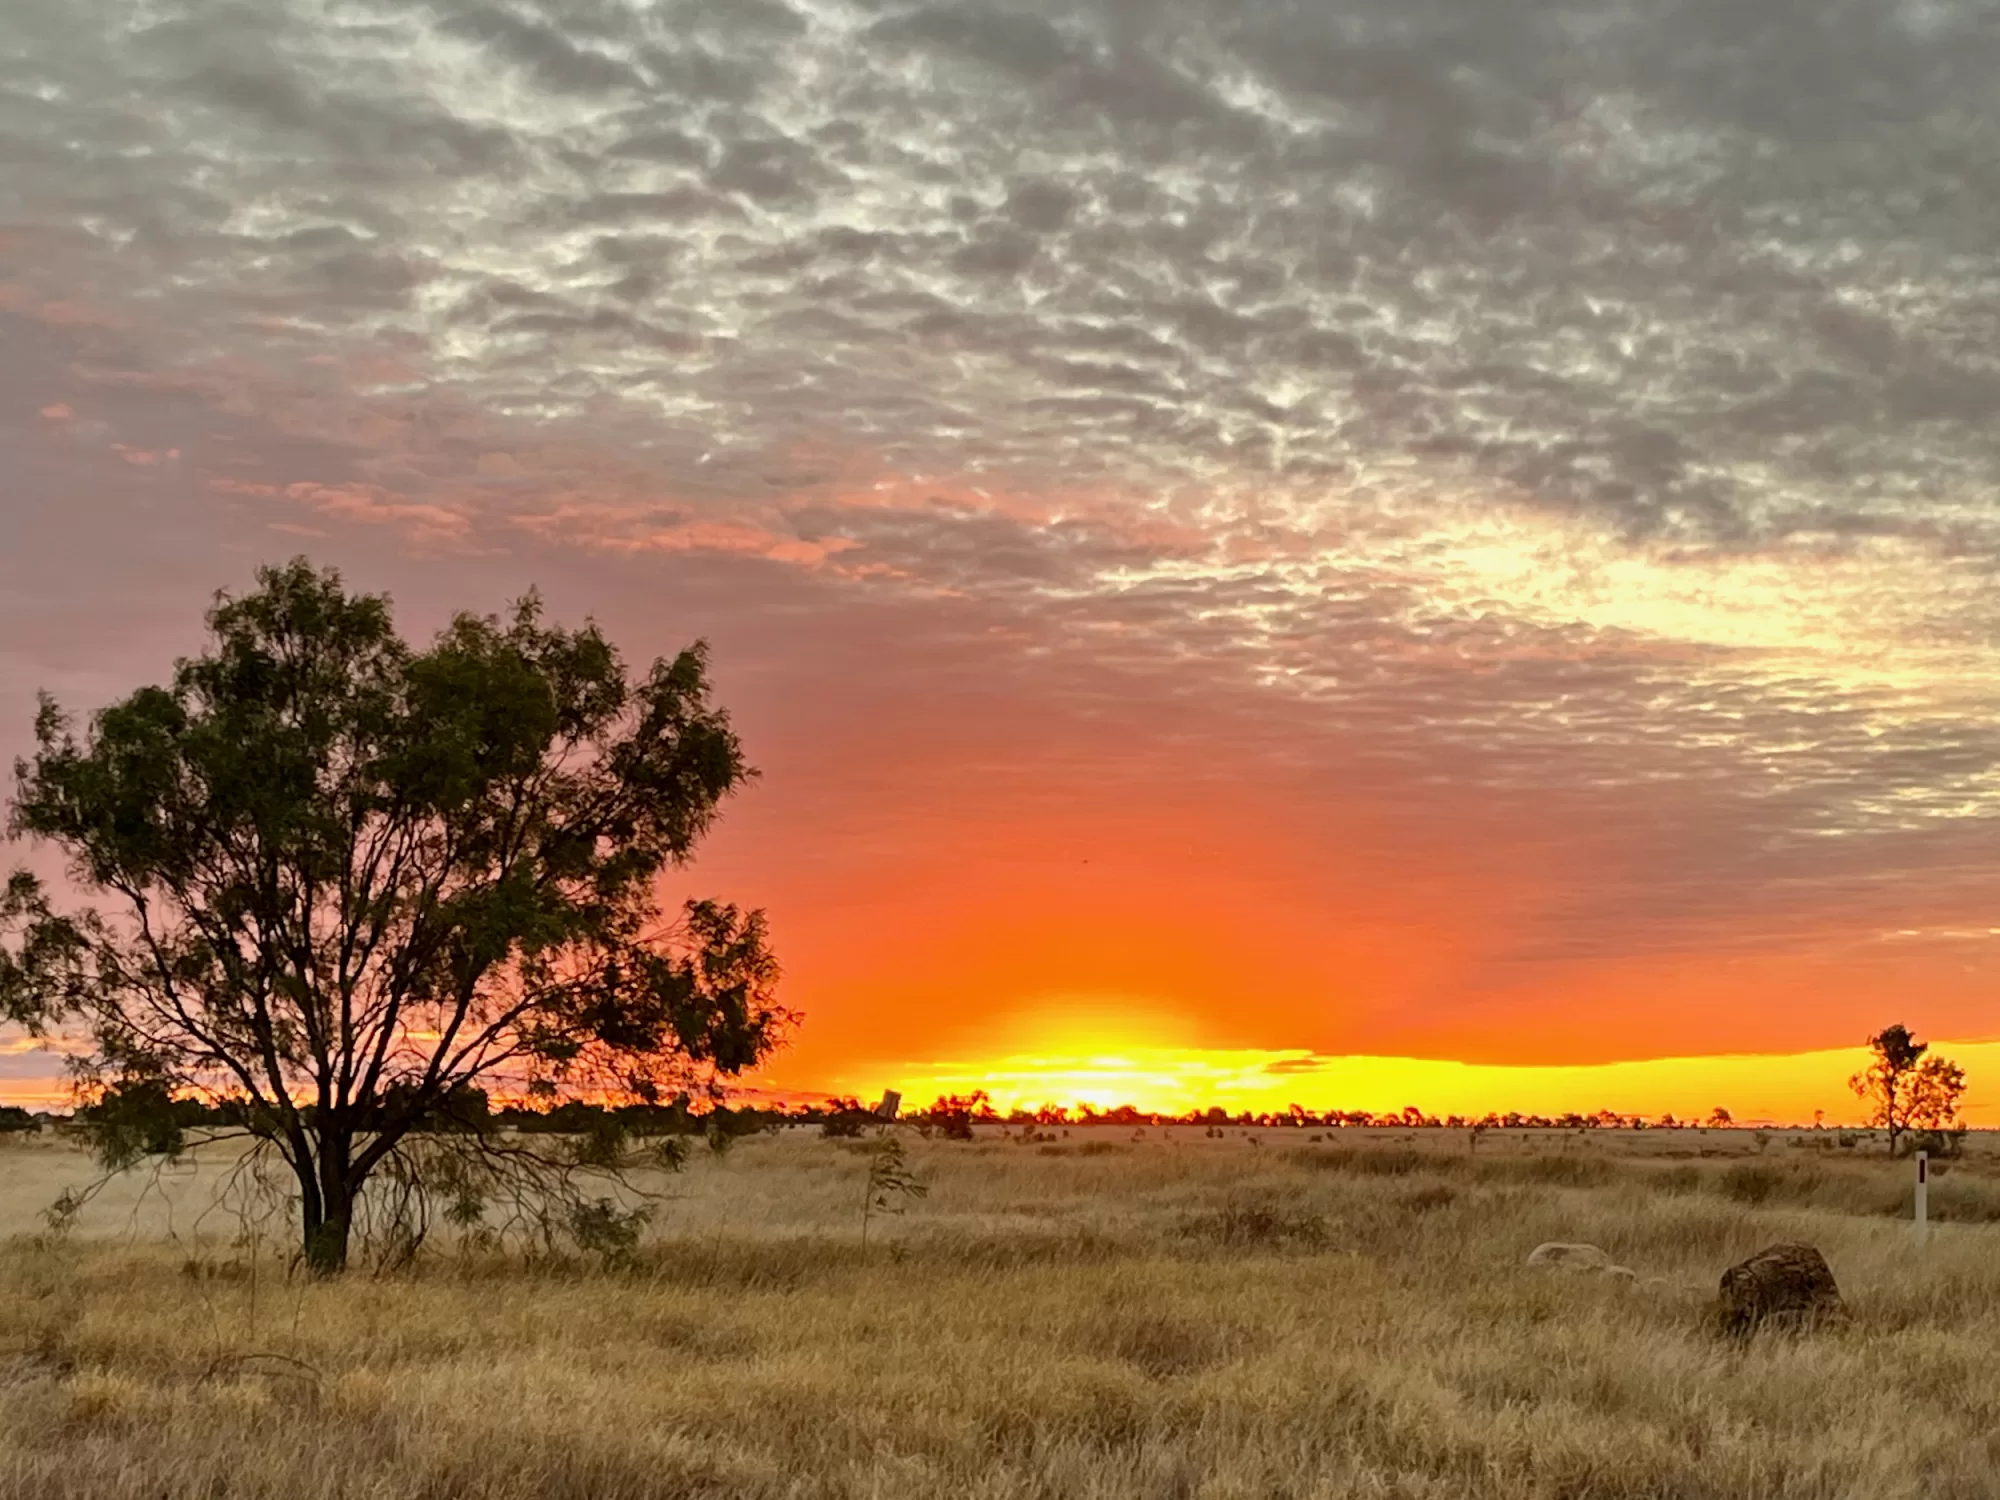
{"x": 1040, "y": 207}
{"x": 773, "y": 172}
{"x": 664, "y": 144}
{"x": 548, "y": 56}
{"x": 1027, "y": 46}
{"x": 1246, "y": 294}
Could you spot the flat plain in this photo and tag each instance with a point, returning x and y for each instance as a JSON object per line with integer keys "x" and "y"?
{"x": 1103, "y": 1313}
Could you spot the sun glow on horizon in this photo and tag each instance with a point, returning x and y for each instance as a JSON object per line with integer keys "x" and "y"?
{"x": 1784, "y": 1089}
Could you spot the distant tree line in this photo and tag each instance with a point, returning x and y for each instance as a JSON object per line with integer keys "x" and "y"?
{"x": 1911, "y": 1094}
{"x": 950, "y": 1116}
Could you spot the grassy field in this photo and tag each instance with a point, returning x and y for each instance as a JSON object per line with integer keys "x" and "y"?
{"x": 1259, "y": 1315}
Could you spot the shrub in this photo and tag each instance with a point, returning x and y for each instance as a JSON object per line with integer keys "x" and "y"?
{"x": 603, "y": 1229}
{"x": 847, "y": 1125}
{"x": 1947, "y": 1143}
{"x": 954, "y": 1115}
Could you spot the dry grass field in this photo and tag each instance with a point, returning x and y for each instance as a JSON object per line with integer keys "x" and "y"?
{"x": 1098, "y": 1316}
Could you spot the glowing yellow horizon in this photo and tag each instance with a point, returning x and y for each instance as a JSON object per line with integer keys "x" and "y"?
{"x": 1786, "y": 1088}
{"x": 1073, "y": 1067}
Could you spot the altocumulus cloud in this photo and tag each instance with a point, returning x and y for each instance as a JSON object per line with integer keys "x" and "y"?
{"x": 1545, "y": 397}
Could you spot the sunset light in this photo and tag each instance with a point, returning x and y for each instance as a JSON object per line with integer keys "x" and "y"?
{"x": 1786, "y": 1089}
{"x": 1242, "y": 572}
{"x": 999, "y": 748}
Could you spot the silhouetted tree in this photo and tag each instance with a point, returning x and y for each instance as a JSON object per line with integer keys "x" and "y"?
{"x": 1904, "y": 1088}
{"x": 349, "y": 884}
{"x": 954, "y": 1115}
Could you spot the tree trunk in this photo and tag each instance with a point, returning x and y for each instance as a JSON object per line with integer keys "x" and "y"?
{"x": 328, "y": 1207}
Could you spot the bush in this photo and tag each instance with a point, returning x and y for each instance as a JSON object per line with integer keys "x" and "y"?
{"x": 603, "y": 1229}
{"x": 1947, "y": 1143}
{"x": 954, "y": 1115}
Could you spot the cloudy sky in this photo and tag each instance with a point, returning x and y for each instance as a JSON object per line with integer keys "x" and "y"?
{"x": 1455, "y": 528}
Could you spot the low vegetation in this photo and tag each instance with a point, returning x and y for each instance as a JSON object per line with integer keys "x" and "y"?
{"x": 1183, "y": 1315}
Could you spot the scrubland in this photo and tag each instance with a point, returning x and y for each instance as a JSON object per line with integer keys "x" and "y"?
{"x": 1260, "y": 1315}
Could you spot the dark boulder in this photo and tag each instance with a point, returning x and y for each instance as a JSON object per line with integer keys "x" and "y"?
{"x": 1784, "y": 1287}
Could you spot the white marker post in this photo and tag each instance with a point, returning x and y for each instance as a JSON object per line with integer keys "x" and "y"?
{"x": 1923, "y": 1195}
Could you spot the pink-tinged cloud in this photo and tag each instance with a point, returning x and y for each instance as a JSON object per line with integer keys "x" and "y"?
{"x": 1447, "y": 528}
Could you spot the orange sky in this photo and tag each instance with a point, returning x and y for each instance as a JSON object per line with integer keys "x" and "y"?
{"x": 1001, "y": 862}
{"x": 1486, "y": 560}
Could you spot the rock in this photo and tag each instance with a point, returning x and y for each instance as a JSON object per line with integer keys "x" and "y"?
{"x": 1569, "y": 1257}
{"x": 1783, "y": 1287}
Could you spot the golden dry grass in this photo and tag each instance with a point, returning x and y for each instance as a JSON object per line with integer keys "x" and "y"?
{"x": 1101, "y": 1317}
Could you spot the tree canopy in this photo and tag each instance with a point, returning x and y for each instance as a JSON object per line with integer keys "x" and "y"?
{"x": 1906, "y": 1087}
{"x": 342, "y": 882}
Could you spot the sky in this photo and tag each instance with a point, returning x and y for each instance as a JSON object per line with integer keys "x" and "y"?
{"x": 1240, "y": 534}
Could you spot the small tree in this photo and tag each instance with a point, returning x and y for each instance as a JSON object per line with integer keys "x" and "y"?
{"x": 344, "y": 884}
{"x": 890, "y": 1185}
{"x": 953, "y": 1115}
{"x": 1720, "y": 1119}
{"x": 1904, "y": 1088}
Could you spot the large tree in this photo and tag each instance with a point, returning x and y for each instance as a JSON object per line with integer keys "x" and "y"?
{"x": 1906, "y": 1086}
{"x": 340, "y": 884}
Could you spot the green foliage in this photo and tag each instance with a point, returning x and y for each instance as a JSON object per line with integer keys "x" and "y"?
{"x": 601, "y": 1228}
{"x": 133, "y": 1119}
{"x": 351, "y": 882}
